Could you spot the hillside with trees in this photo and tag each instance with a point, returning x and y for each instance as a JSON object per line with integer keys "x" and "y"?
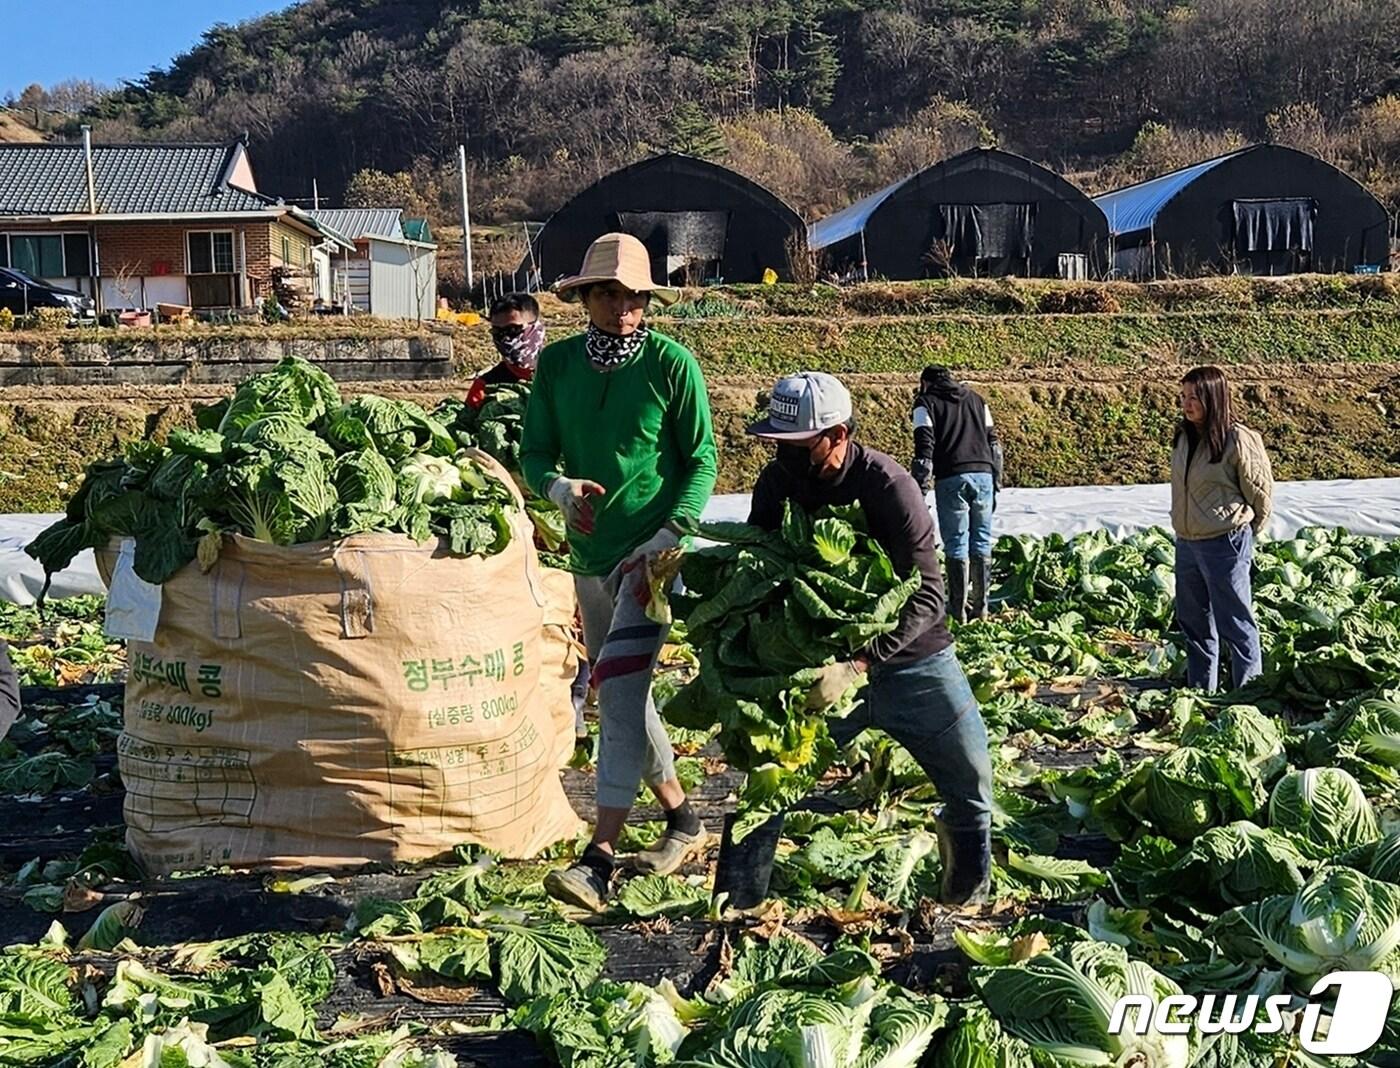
{"x": 821, "y": 100}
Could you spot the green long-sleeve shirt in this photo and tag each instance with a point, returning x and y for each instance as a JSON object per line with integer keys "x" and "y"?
{"x": 641, "y": 431}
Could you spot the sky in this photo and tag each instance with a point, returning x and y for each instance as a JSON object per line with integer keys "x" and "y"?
{"x": 108, "y": 41}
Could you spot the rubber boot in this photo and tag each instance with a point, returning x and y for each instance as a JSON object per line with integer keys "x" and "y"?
{"x": 957, "y": 590}
{"x": 981, "y": 587}
{"x": 745, "y": 869}
{"x": 967, "y": 865}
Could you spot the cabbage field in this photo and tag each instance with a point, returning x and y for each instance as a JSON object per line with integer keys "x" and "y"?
{"x": 1147, "y": 839}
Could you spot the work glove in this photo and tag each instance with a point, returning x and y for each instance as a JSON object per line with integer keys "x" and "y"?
{"x": 922, "y": 470}
{"x": 656, "y": 561}
{"x": 663, "y": 540}
{"x": 832, "y": 683}
{"x": 571, "y": 495}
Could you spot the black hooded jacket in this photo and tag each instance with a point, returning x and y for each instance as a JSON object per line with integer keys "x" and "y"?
{"x": 961, "y": 438}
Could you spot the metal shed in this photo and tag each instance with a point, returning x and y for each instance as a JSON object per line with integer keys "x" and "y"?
{"x": 982, "y": 212}
{"x": 1266, "y": 209}
{"x": 393, "y": 272}
{"x": 700, "y": 222}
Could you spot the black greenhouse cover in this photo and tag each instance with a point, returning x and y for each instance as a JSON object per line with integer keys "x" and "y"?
{"x": 988, "y": 231}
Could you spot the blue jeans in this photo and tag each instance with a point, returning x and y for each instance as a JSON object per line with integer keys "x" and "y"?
{"x": 965, "y": 504}
{"x": 928, "y": 708}
{"x": 1213, "y": 598}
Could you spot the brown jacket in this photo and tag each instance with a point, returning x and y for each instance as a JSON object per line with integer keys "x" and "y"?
{"x": 1212, "y": 499}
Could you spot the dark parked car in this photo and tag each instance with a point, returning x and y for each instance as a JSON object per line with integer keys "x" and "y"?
{"x": 23, "y": 294}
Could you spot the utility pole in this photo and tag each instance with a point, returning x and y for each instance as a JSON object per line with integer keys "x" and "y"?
{"x": 534, "y": 267}
{"x": 466, "y": 214}
{"x": 315, "y": 196}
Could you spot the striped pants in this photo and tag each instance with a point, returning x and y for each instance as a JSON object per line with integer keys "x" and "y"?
{"x": 623, "y": 646}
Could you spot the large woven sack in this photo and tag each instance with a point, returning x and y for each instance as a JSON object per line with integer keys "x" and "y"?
{"x": 340, "y": 703}
{"x": 559, "y": 657}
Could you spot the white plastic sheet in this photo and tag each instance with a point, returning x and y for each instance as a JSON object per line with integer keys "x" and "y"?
{"x": 21, "y": 577}
{"x": 1363, "y": 506}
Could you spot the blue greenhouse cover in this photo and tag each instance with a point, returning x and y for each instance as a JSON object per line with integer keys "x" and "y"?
{"x": 1136, "y": 207}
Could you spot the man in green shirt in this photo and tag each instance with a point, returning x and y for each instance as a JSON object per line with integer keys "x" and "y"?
{"x": 618, "y": 435}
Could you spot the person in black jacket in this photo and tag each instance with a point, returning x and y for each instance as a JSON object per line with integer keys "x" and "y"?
{"x": 9, "y": 690}
{"x": 917, "y": 692}
{"x": 957, "y": 454}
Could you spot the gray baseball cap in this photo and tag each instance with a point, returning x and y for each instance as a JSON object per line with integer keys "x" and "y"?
{"x": 802, "y": 405}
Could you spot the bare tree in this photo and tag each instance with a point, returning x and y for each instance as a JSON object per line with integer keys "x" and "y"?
{"x": 126, "y": 280}
{"x": 419, "y": 262}
{"x": 794, "y": 154}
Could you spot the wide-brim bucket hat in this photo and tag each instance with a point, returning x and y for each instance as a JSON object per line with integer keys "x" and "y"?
{"x": 616, "y": 258}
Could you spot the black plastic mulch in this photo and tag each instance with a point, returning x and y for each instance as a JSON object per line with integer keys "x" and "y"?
{"x": 924, "y": 956}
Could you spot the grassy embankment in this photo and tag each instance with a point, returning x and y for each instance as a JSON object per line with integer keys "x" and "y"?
{"x": 1082, "y": 378}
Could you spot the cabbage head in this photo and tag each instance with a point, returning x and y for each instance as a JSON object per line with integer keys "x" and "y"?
{"x": 1190, "y": 790}
{"x": 1324, "y": 809}
{"x": 978, "y": 1041}
{"x": 365, "y": 485}
{"x": 1236, "y": 864}
{"x": 1341, "y": 920}
{"x": 1245, "y": 731}
{"x": 425, "y": 479}
{"x": 1061, "y": 1002}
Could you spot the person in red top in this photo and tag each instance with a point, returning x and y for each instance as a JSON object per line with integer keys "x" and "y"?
{"x": 518, "y": 334}
{"x": 517, "y": 331}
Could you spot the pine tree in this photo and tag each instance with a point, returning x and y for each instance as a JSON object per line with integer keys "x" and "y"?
{"x": 691, "y": 132}
{"x": 821, "y": 66}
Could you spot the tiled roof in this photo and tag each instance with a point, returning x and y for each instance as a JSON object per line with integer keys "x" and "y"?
{"x": 356, "y": 223}
{"x": 51, "y": 179}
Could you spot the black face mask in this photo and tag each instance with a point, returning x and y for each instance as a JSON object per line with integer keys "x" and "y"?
{"x": 796, "y": 460}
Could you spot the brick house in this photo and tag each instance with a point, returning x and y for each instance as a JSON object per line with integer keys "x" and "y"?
{"x": 136, "y": 225}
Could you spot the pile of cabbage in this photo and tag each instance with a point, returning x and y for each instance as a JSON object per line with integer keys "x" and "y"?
{"x": 763, "y": 611}
{"x": 497, "y": 427}
{"x": 284, "y": 461}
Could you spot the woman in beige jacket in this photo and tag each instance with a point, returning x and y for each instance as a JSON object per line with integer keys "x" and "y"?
{"x": 1222, "y": 495}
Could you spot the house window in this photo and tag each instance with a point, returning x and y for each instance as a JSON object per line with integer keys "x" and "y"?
{"x": 210, "y": 269}
{"x": 77, "y": 256}
{"x": 210, "y": 252}
{"x": 47, "y": 255}
{"x": 286, "y": 251}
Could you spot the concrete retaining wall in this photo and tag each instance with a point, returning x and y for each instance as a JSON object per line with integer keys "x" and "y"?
{"x": 174, "y": 359}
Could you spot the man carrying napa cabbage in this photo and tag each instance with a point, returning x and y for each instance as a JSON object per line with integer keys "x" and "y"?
{"x": 915, "y": 689}
{"x": 618, "y": 435}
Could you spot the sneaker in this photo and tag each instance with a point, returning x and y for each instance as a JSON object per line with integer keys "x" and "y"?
{"x": 578, "y": 885}
{"x": 967, "y": 864}
{"x": 670, "y": 851}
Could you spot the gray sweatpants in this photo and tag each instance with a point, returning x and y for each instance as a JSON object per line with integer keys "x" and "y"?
{"x": 623, "y": 646}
